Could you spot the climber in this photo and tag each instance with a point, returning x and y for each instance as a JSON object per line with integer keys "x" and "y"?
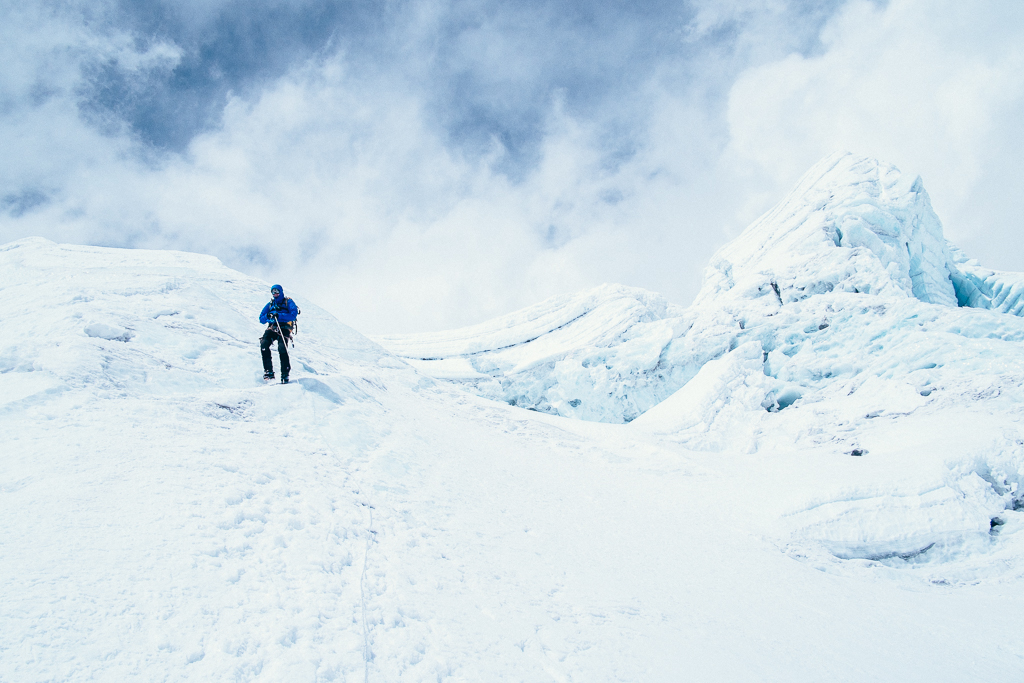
{"x": 279, "y": 316}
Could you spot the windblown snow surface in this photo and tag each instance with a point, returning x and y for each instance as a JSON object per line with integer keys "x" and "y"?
{"x": 812, "y": 473}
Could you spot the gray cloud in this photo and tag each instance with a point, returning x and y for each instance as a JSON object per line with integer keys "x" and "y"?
{"x": 420, "y": 165}
{"x": 485, "y": 70}
{"x": 233, "y": 47}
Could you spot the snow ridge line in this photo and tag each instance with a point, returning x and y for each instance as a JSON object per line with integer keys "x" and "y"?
{"x": 503, "y": 348}
{"x": 855, "y": 498}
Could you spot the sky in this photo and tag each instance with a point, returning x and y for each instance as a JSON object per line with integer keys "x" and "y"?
{"x": 417, "y": 165}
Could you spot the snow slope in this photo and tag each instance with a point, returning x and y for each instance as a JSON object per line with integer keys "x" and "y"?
{"x": 812, "y": 504}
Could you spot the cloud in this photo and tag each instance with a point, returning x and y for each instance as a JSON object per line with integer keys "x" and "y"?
{"x": 225, "y": 48}
{"x": 424, "y": 164}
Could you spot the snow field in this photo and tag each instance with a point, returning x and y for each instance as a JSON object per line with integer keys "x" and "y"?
{"x": 460, "y": 540}
{"x": 580, "y": 551}
{"x": 198, "y": 556}
{"x": 820, "y": 478}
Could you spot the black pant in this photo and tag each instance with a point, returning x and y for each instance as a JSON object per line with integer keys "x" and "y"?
{"x": 269, "y": 337}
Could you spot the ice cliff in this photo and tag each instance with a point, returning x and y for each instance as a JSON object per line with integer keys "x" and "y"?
{"x": 852, "y": 225}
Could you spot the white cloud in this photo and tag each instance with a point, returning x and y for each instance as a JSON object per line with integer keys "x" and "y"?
{"x": 339, "y": 181}
{"x": 337, "y": 186}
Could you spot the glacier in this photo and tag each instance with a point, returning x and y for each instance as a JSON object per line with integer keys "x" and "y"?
{"x": 852, "y": 225}
{"x": 813, "y": 472}
{"x": 840, "y": 321}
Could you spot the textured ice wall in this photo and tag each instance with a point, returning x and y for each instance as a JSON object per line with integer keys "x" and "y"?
{"x": 852, "y": 224}
{"x": 980, "y": 287}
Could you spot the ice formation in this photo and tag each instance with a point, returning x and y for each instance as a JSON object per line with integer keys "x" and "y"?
{"x": 852, "y": 225}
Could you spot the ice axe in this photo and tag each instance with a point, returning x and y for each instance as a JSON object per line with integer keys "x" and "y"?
{"x": 284, "y": 339}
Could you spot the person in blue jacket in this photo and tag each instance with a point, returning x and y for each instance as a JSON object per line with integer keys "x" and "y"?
{"x": 279, "y": 316}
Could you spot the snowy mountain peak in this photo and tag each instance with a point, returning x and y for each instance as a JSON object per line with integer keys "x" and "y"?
{"x": 852, "y": 224}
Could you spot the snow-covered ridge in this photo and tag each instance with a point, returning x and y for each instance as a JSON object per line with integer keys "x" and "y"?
{"x": 606, "y": 311}
{"x": 179, "y": 319}
{"x": 565, "y": 355}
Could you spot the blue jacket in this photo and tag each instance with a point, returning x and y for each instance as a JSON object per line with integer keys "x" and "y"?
{"x": 281, "y": 307}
